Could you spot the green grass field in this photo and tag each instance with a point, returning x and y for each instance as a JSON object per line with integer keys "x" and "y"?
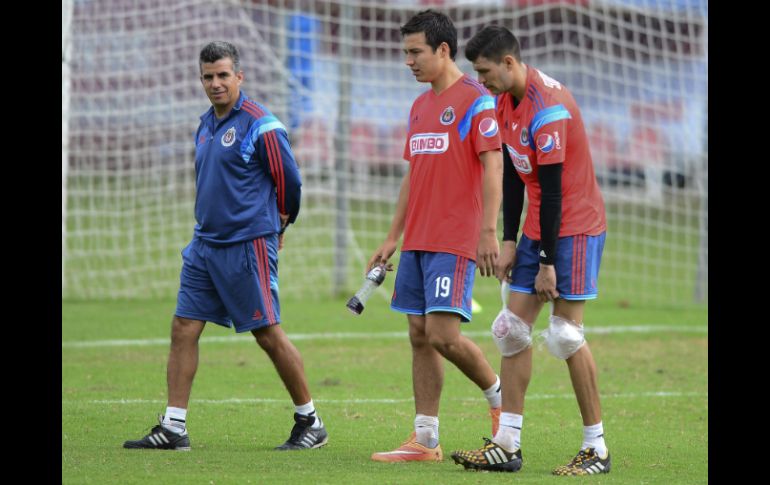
{"x": 654, "y": 386}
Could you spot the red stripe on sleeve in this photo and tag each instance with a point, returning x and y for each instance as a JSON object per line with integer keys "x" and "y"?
{"x": 280, "y": 182}
{"x": 273, "y": 155}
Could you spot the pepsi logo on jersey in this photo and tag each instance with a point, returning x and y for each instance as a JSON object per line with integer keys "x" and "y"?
{"x": 546, "y": 143}
{"x": 488, "y": 127}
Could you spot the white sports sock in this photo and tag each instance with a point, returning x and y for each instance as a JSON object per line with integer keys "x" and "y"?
{"x": 175, "y": 420}
{"x": 509, "y": 434}
{"x": 308, "y": 409}
{"x": 593, "y": 437}
{"x": 426, "y": 430}
{"x": 493, "y": 394}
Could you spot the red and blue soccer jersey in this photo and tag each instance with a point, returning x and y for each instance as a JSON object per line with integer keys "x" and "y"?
{"x": 446, "y": 134}
{"x": 546, "y": 127}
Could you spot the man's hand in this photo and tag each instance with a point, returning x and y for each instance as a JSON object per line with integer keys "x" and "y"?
{"x": 506, "y": 261}
{"x": 382, "y": 255}
{"x": 284, "y": 221}
{"x": 487, "y": 252}
{"x": 545, "y": 283}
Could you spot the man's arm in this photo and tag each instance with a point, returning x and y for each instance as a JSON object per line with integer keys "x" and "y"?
{"x": 513, "y": 204}
{"x": 388, "y": 247}
{"x": 549, "y": 177}
{"x": 285, "y": 173}
{"x": 489, "y": 248}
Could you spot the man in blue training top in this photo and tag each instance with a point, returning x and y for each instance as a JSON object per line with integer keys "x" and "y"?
{"x": 248, "y": 192}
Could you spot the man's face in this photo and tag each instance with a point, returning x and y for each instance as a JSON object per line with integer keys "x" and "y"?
{"x": 495, "y": 77}
{"x": 420, "y": 58}
{"x": 222, "y": 83}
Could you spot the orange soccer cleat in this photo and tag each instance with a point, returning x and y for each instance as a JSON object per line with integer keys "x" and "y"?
{"x": 410, "y": 450}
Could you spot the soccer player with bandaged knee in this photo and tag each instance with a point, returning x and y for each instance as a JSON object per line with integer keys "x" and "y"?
{"x": 557, "y": 259}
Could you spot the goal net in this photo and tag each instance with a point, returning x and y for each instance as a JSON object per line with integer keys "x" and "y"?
{"x": 334, "y": 73}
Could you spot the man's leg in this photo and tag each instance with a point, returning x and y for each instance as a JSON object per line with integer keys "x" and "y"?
{"x": 287, "y": 361}
{"x": 427, "y": 368}
{"x": 516, "y": 370}
{"x": 443, "y": 333}
{"x": 182, "y": 360}
{"x": 442, "y": 330}
{"x": 582, "y": 372}
{"x": 171, "y": 433}
{"x": 427, "y": 381}
{"x": 308, "y": 431}
{"x": 593, "y": 456}
{"x": 582, "y": 368}
{"x": 503, "y": 453}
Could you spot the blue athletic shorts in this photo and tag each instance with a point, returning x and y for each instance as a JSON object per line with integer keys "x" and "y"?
{"x": 433, "y": 282}
{"x": 235, "y": 284}
{"x": 577, "y": 266}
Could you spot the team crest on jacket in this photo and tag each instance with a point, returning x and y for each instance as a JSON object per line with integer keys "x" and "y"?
{"x": 488, "y": 127}
{"x": 229, "y": 137}
{"x": 447, "y": 116}
{"x": 524, "y": 138}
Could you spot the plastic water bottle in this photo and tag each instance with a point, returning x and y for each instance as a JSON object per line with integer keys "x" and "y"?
{"x": 374, "y": 278}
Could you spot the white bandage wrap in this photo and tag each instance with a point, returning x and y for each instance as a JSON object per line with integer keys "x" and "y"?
{"x": 510, "y": 333}
{"x": 563, "y": 337}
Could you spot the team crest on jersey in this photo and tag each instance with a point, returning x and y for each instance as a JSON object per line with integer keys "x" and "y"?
{"x": 229, "y": 137}
{"x": 488, "y": 127}
{"x": 524, "y": 138}
{"x": 447, "y": 116}
{"x": 429, "y": 143}
{"x": 520, "y": 162}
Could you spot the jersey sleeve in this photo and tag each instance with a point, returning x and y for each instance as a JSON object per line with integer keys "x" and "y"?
{"x": 271, "y": 149}
{"x": 480, "y": 124}
{"x": 549, "y": 134}
{"x": 282, "y": 166}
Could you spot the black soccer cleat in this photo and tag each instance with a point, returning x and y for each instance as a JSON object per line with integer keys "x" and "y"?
{"x": 161, "y": 439}
{"x": 490, "y": 457}
{"x": 303, "y": 437}
{"x": 586, "y": 462}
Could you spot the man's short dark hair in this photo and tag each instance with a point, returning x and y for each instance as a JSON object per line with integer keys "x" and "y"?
{"x": 493, "y": 42}
{"x": 437, "y": 27}
{"x": 214, "y": 51}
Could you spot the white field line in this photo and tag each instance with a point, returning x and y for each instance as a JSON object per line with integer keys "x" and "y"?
{"x": 373, "y": 335}
{"x": 626, "y": 395}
